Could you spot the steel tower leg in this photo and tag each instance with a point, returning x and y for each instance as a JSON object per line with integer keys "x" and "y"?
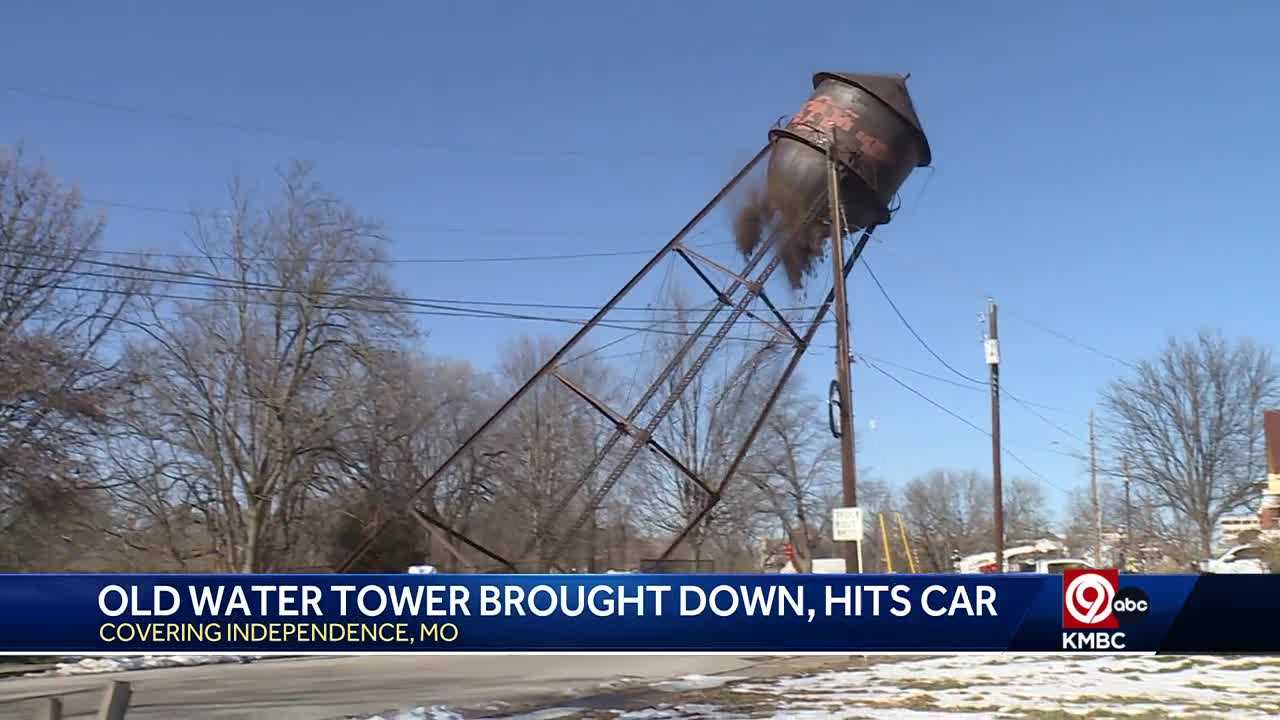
{"x": 792, "y": 364}
{"x": 559, "y": 355}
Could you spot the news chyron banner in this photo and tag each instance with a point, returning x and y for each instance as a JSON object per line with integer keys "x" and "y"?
{"x": 1091, "y": 610}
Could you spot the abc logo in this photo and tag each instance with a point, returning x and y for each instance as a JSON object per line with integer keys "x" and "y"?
{"x": 1131, "y": 604}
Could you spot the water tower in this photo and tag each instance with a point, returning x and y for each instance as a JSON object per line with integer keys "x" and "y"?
{"x": 832, "y": 170}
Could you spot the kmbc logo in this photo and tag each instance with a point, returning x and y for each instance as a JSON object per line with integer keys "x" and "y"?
{"x": 1093, "y": 600}
{"x": 1088, "y": 599}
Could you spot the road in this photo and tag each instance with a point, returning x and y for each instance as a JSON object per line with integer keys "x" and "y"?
{"x": 321, "y": 688}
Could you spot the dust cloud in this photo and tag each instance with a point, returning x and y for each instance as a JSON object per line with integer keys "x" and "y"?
{"x": 801, "y": 229}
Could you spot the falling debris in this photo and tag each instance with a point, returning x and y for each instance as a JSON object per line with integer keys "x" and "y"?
{"x": 772, "y": 213}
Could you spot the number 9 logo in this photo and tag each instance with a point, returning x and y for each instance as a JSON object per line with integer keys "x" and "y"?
{"x": 1088, "y": 599}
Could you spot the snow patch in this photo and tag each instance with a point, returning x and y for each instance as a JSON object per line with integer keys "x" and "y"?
{"x": 955, "y": 686}
{"x": 441, "y": 712}
{"x": 692, "y": 711}
{"x": 968, "y": 687}
{"x": 547, "y": 714}
{"x": 695, "y": 682}
{"x": 435, "y": 712}
{"x": 94, "y": 666}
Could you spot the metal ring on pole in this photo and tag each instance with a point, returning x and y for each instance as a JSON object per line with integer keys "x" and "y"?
{"x": 833, "y": 403}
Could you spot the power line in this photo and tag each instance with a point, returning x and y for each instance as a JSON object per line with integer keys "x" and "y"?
{"x": 922, "y": 373}
{"x": 271, "y": 131}
{"x": 425, "y": 229}
{"x": 513, "y": 232}
{"x": 1004, "y": 388}
{"x": 922, "y": 396}
{"x": 461, "y": 308}
{"x": 960, "y": 418}
{"x": 202, "y": 279}
{"x": 407, "y": 261}
{"x": 1078, "y": 343}
{"x": 380, "y": 308}
{"x": 1028, "y": 407}
{"x": 912, "y": 330}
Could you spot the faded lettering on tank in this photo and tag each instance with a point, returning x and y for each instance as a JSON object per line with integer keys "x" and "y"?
{"x": 821, "y": 113}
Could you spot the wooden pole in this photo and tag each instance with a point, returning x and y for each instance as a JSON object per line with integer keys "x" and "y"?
{"x": 848, "y": 469}
{"x": 997, "y": 483}
{"x": 1093, "y": 491}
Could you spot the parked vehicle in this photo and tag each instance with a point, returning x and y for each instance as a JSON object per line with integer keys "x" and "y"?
{"x": 1239, "y": 560}
{"x": 1014, "y": 556}
{"x": 423, "y": 570}
{"x": 820, "y": 566}
{"x": 1054, "y": 566}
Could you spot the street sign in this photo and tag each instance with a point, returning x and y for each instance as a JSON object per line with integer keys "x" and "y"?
{"x": 846, "y": 524}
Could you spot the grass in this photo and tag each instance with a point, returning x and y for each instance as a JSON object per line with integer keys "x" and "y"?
{"x": 1247, "y": 666}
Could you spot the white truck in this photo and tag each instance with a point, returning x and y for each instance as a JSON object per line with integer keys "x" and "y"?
{"x": 1239, "y": 560}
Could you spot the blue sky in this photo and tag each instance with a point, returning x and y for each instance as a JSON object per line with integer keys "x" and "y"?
{"x": 1105, "y": 170}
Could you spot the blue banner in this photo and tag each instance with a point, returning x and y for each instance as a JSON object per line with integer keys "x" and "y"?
{"x": 1080, "y": 611}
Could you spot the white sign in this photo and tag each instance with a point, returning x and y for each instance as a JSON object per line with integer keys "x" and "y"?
{"x": 993, "y": 351}
{"x": 846, "y": 524}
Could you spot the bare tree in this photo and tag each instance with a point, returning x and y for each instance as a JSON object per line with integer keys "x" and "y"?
{"x": 1190, "y": 422}
{"x": 1026, "y": 511}
{"x": 950, "y": 511}
{"x": 242, "y": 384}
{"x": 408, "y": 413}
{"x": 58, "y": 380}
{"x": 548, "y": 439}
{"x": 796, "y": 466}
{"x": 704, "y": 429}
{"x": 947, "y": 511}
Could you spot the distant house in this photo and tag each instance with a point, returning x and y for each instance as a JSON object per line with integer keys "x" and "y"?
{"x": 1231, "y": 527}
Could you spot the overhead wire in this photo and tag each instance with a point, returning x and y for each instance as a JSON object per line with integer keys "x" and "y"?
{"x": 451, "y": 146}
{"x": 438, "y": 307}
{"x": 383, "y": 304}
{"x": 912, "y": 329}
{"x": 264, "y": 259}
{"x": 1073, "y": 341}
{"x": 1004, "y": 450}
{"x": 1025, "y": 404}
{"x": 203, "y": 279}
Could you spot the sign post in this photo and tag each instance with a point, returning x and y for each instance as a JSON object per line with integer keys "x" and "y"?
{"x": 847, "y": 526}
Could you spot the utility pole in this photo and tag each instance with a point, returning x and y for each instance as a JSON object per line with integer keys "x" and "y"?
{"x": 1128, "y": 520}
{"x": 848, "y": 470}
{"x": 992, "y": 348}
{"x": 1093, "y": 491}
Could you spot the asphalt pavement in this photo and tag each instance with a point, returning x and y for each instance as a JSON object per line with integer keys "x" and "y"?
{"x": 324, "y": 688}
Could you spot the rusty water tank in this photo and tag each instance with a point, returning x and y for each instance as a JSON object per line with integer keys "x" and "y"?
{"x": 878, "y": 141}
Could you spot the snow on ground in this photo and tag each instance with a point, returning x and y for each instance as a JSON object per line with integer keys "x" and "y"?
{"x": 93, "y": 666}
{"x": 1011, "y": 687}
{"x": 422, "y": 713}
{"x": 963, "y": 687}
{"x": 443, "y": 713}
{"x": 696, "y": 682}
